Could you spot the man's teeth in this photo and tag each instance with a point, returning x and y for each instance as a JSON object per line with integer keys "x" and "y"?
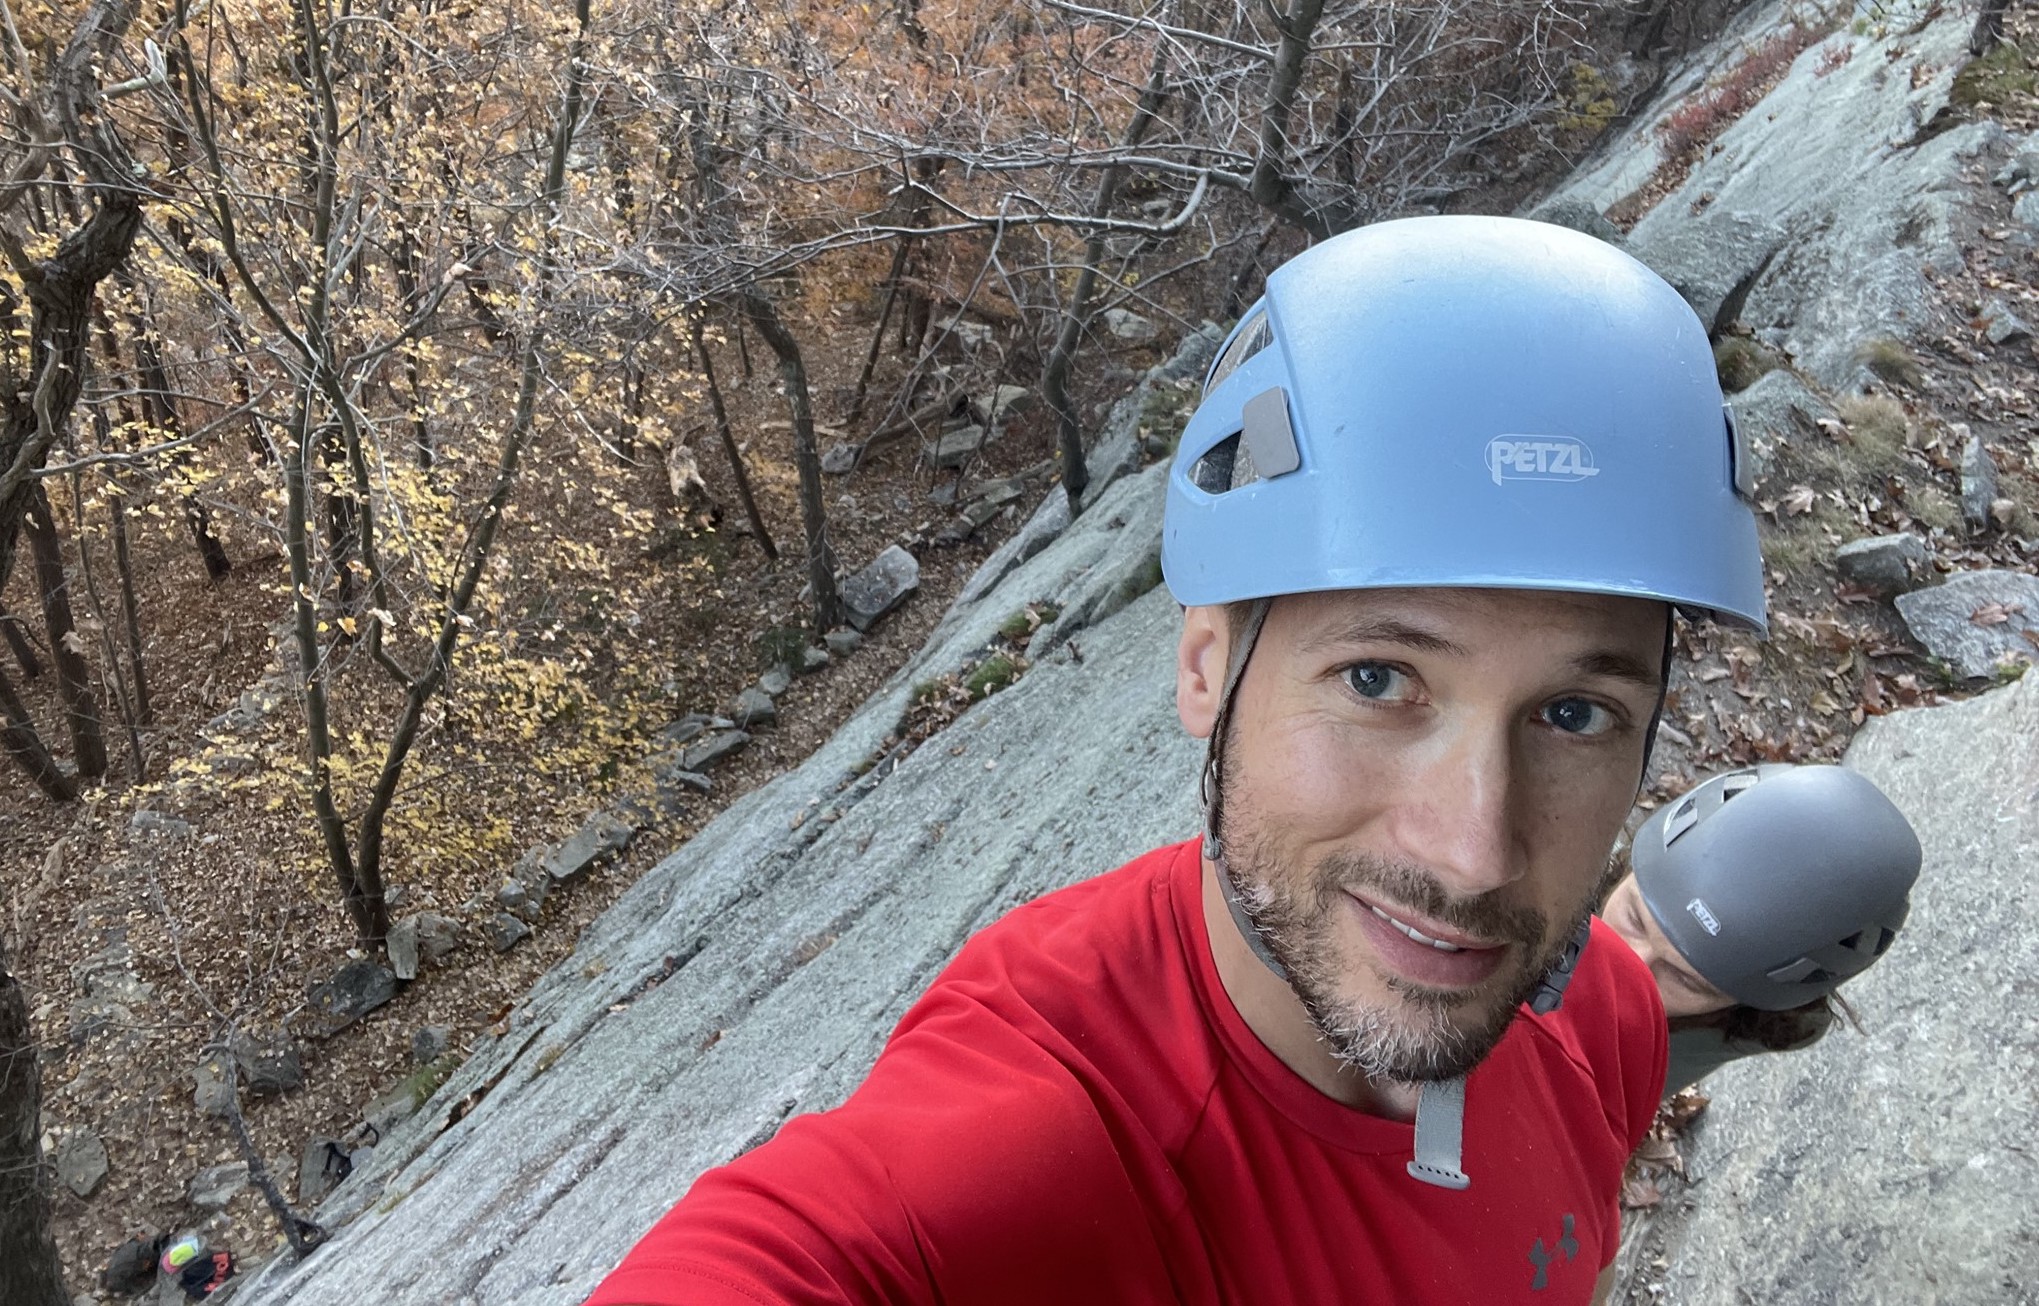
{"x": 1415, "y": 934}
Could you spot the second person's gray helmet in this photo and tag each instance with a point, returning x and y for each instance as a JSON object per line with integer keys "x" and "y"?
{"x": 1777, "y": 883}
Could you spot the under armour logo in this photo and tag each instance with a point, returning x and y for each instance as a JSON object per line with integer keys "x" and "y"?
{"x": 1567, "y": 1247}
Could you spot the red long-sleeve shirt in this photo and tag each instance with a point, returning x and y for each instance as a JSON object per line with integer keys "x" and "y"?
{"x": 1075, "y": 1113}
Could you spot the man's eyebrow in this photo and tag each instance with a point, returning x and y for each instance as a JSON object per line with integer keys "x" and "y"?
{"x": 1381, "y": 630}
{"x": 1620, "y": 666}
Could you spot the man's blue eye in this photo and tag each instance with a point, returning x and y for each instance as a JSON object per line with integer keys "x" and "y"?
{"x": 1578, "y": 716}
{"x": 1376, "y": 680}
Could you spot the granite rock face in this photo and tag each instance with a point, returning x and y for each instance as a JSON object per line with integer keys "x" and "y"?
{"x": 1892, "y": 1167}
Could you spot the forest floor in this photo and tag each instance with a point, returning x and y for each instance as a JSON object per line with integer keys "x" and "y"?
{"x": 137, "y": 946}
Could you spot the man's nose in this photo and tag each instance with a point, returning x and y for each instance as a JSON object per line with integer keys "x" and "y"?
{"x": 1460, "y": 822}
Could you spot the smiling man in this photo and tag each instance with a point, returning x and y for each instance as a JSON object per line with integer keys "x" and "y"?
{"x": 1448, "y": 481}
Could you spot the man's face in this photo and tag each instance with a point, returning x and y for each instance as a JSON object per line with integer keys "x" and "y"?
{"x": 1421, "y": 788}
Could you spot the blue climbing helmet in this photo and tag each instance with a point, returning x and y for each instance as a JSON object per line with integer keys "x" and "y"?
{"x": 1465, "y": 401}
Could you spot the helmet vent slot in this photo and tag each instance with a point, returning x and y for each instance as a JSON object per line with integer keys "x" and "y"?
{"x": 1225, "y": 466}
{"x": 1853, "y": 942}
{"x": 1885, "y": 935}
{"x": 1682, "y": 818}
{"x": 1255, "y": 336}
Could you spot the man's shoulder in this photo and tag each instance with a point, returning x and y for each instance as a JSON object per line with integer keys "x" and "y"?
{"x": 1110, "y": 917}
{"x": 1611, "y": 1029}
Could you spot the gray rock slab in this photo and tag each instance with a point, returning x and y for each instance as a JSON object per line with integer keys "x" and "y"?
{"x": 880, "y": 587}
{"x": 776, "y": 681}
{"x": 268, "y": 1064}
{"x": 2001, "y": 326}
{"x": 842, "y": 643}
{"x": 600, "y": 837}
{"x": 1882, "y": 564}
{"x": 211, "y": 1090}
{"x": 505, "y": 931}
{"x": 1835, "y": 159}
{"x": 356, "y": 989}
{"x": 1891, "y": 1167}
{"x": 609, "y": 1094}
{"x": 956, "y": 448}
{"x": 1000, "y": 403}
{"x": 320, "y": 1168}
{"x": 1944, "y": 619}
{"x": 713, "y": 749}
{"x": 1128, "y": 325}
{"x": 81, "y": 1162}
{"x": 754, "y": 707}
{"x": 213, "y": 1187}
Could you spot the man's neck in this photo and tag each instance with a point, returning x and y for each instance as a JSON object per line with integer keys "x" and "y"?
{"x": 1277, "y": 1018}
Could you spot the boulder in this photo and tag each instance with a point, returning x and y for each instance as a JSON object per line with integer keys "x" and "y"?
{"x": 842, "y": 643}
{"x": 812, "y": 659}
{"x": 600, "y": 837}
{"x": 356, "y": 989}
{"x": 1890, "y": 1165}
{"x": 2025, "y": 209}
{"x": 81, "y": 1162}
{"x": 1976, "y": 620}
{"x": 419, "y": 940}
{"x": 1978, "y": 477}
{"x": 970, "y": 335}
{"x": 132, "y": 1266}
{"x": 776, "y": 681}
{"x": 1777, "y": 409}
{"x": 713, "y": 749}
{"x": 880, "y": 587}
{"x": 212, "y": 1089}
{"x": 1882, "y": 564}
{"x": 956, "y": 448}
{"x": 213, "y": 1187}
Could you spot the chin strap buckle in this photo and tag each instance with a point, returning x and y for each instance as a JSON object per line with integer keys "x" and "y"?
{"x": 1550, "y": 990}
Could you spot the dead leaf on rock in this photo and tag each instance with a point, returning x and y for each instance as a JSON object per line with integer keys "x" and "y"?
{"x": 1639, "y": 1194}
{"x": 1799, "y": 501}
{"x": 1995, "y": 614}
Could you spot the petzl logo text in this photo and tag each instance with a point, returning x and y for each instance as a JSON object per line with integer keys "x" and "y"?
{"x": 1704, "y": 915}
{"x": 1539, "y": 458}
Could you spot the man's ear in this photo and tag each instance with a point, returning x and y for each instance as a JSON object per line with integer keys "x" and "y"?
{"x": 1200, "y": 661}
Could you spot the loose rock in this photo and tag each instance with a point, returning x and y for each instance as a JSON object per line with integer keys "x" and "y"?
{"x": 213, "y": 1187}
{"x": 599, "y": 838}
{"x": 776, "y": 681}
{"x": 81, "y": 1162}
{"x": 2000, "y": 326}
{"x": 842, "y": 643}
{"x": 1881, "y": 564}
{"x": 148, "y": 822}
{"x": 358, "y": 988}
{"x": 812, "y": 659}
{"x": 1128, "y": 325}
{"x": 754, "y": 707}
{"x": 1004, "y": 401}
{"x": 958, "y": 447}
{"x": 421, "y": 939}
{"x": 211, "y": 1090}
{"x": 1978, "y": 477}
{"x": 506, "y": 931}
{"x": 840, "y": 459}
{"x": 707, "y": 753}
{"x": 971, "y": 335}
{"x": 430, "y": 1043}
{"x": 269, "y": 1065}
{"x": 1976, "y": 619}
{"x": 880, "y": 587}
{"x": 132, "y": 1266}
{"x": 321, "y": 1168}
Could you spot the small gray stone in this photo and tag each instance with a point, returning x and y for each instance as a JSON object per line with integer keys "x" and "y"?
{"x": 402, "y": 946}
{"x": 213, "y": 1187}
{"x": 430, "y": 1043}
{"x": 880, "y": 587}
{"x": 211, "y": 1090}
{"x": 421, "y": 939}
{"x": 1881, "y": 564}
{"x": 1943, "y": 619}
{"x": 957, "y": 448}
{"x": 671, "y": 775}
{"x": 1128, "y": 325}
{"x": 2001, "y": 326}
{"x": 812, "y": 659}
{"x": 971, "y": 335}
{"x": 713, "y": 749}
{"x": 506, "y": 931}
{"x": 599, "y": 838}
{"x": 776, "y": 681}
{"x": 81, "y": 1162}
{"x": 840, "y": 459}
{"x": 842, "y": 643}
{"x": 269, "y": 1064}
{"x": 524, "y": 897}
{"x": 1004, "y": 401}
{"x": 1978, "y": 477}
{"x": 754, "y": 707}
{"x": 2025, "y": 208}
{"x": 321, "y": 1168}
{"x": 356, "y": 989}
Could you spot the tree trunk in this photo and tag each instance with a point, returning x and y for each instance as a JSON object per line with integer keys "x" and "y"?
{"x": 17, "y": 639}
{"x": 30, "y": 1274}
{"x": 1055, "y": 375}
{"x": 25, "y": 746}
{"x": 828, "y": 605}
{"x": 1989, "y": 27}
{"x": 131, "y": 610}
{"x": 67, "y": 650}
{"x": 736, "y": 468}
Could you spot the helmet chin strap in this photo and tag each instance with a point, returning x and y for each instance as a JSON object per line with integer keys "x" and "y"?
{"x": 1440, "y": 1104}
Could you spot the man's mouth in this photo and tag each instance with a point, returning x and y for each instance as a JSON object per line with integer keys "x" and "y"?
{"x": 1427, "y": 952}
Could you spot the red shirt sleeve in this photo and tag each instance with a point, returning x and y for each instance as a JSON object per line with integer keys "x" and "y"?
{"x": 969, "y": 1167}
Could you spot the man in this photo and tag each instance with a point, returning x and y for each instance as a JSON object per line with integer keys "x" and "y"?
{"x": 1445, "y": 485}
